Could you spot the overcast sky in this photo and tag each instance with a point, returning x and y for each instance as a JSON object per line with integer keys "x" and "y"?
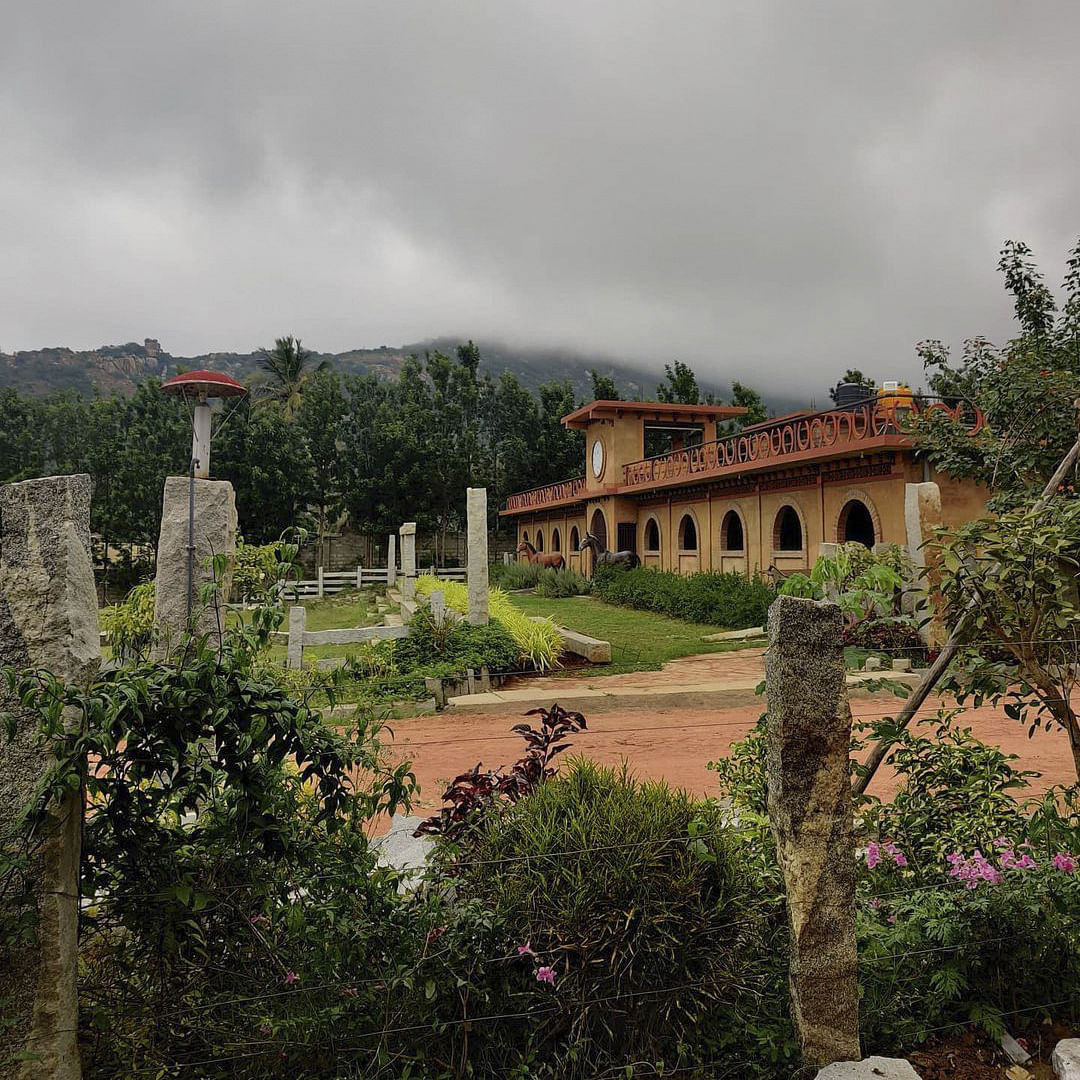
{"x": 769, "y": 191}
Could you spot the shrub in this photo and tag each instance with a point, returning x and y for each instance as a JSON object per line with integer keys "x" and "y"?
{"x": 539, "y": 643}
{"x": 626, "y": 895}
{"x": 129, "y": 625}
{"x": 718, "y": 599}
{"x": 558, "y": 583}
{"x": 515, "y": 576}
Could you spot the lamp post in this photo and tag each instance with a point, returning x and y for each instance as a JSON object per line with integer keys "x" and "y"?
{"x": 205, "y": 391}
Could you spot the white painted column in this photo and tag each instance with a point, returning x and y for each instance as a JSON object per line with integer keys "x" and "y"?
{"x": 922, "y": 515}
{"x": 477, "y": 563}
{"x": 391, "y": 561}
{"x": 200, "y": 440}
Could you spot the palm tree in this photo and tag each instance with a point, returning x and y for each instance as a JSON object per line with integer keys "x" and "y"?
{"x": 288, "y": 364}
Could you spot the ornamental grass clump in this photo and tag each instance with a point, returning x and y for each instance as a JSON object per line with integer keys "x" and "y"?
{"x": 539, "y": 643}
{"x": 643, "y": 937}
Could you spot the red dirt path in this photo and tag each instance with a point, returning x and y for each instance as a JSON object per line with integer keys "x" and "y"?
{"x": 673, "y": 741}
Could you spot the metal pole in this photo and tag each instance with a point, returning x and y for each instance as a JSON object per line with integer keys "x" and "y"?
{"x": 191, "y": 542}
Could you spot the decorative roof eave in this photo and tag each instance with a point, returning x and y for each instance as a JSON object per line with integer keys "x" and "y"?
{"x": 649, "y": 410}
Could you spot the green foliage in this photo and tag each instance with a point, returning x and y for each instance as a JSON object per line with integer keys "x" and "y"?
{"x": 129, "y": 625}
{"x": 603, "y": 387}
{"x": 539, "y": 643}
{"x": 1021, "y": 567}
{"x": 1024, "y": 389}
{"x": 259, "y": 570}
{"x": 720, "y": 599}
{"x": 802, "y": 586}
{"x": 662, "y": 949}
{"x": 681, "y": 386}
{"x": 559, "y": 583}
{"x": 514, "y": 576}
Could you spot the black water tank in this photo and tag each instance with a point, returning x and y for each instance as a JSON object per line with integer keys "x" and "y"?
{"x": 848, "y": 393}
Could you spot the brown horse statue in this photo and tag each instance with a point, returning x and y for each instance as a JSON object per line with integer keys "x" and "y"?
{"x": 626, "y": 559}
{"x": 541, "y": 558}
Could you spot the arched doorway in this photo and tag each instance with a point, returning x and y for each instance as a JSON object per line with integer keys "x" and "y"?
{"x": 598, "y": 527}
{"x": 687, "y": 534}
{"x": 575, "y": 542}
{"x": 539, "y": 540}
{"x": 787, "y": 530}
{"x": 856, "y": 524}
{"x": 556, "y": 540}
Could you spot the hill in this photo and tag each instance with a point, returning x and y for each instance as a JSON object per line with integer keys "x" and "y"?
{"x": 113, "y": 369}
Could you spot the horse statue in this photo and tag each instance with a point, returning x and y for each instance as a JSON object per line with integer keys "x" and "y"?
{"x": 541, "y": 558}
{"x": 626, "y": 559}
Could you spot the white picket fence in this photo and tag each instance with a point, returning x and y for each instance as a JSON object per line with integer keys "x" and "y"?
{"x": 329, "y": 582}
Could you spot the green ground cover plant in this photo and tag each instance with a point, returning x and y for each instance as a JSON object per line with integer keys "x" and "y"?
{"x": 543, "y": 580}
{"x": 539, "y": 643}
{"x": 729, "y": 600}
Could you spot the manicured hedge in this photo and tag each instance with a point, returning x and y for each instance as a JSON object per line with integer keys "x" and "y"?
{"x": 719, "y": 599}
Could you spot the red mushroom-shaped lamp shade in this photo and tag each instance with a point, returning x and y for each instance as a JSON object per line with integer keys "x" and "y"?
{"x": 199, "y": 387}
{"x": 203, "y": 384}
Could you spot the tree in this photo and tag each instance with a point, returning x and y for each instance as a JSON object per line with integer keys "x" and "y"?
{"x": 749, "y": 399}
{"x": 603, "y": 387}
{"x": 681, "y": 386}
{"x": 289, "y": 366}
{"x": 1028, "y": 607}
{"x": 854, "y": 375}
{"x": 1024, "y": 390}
{"x": 319, "y": 418}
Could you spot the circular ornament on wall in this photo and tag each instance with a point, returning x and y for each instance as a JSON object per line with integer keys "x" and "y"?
{"x": 598, "y": 459}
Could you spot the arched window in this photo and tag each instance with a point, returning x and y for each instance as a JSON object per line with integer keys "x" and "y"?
{"x": 575, "y": 543}
{"x": 731, "y": 532}
{"x": 556, "y": 540}
{"x": 598, "y": 527}
{"x": 856, "y": 524}
{"x": 787, "y": 531}
{"x": 652, "y": 535}
{"x": 539, "y": 540}
{"x": 687, "y": 534}
{"x": 525, "y": 537}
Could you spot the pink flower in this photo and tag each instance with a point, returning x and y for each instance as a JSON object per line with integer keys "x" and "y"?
{"x": 434, "y": 934}
{"x": 974, "y": 870}
{"x": 892, "y": 918}
{"x": 264, "y": 1030}
{"x": 348, "y": 991}
{"x": 291, "y": 977}
{"x": 1065, "y": 863}
{"x": 260, "y": 920}
{"x": 875, "y": 903}
{"x": 546, "y": 974}
{"x": 898, "y": 857}
{"x": 873, "y": 855}
{"x": 526, "y": 950}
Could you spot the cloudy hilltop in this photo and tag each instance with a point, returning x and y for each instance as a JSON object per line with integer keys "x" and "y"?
{"x": 119, "y": 368}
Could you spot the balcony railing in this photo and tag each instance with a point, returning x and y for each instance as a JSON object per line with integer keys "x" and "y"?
{"x": 563, "y": 491}
{"x": 864, "y": 426}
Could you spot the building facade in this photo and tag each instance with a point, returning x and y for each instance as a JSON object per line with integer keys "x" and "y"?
{"x": 766, "y": 498}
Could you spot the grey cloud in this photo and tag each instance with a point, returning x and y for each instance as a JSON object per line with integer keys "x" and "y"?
{"x": 771, "y": 191}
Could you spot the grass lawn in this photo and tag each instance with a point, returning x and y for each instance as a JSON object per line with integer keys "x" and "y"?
{"x": 640, "y": 640}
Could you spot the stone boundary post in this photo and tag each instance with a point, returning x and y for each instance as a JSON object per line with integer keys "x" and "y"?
{"x": 438, "y": 607}
{"x": 408, "y": 559}
{"x": 48, "y": 619}
{"x": 391, "y": 561}
{"x": 477, "y": 568}
{"x": 215, "y": 534}
{"x": 810, "y": 809}
{"x": 922, "y": 514}
{"x": 297, "y": 626}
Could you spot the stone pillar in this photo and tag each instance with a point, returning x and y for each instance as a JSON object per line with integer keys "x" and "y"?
{"x": 215, "y": 534}
{"x": 477, "y": 571}
{"x": 48, "y": 619}
{"x": 438, "y": 607}
{"x": 391, "y": 561}
{"x": 809, "y": 735}
{"x": 408, "y": 559}
{"x": 922, "y": 515}
{"x": 297, "y": 628}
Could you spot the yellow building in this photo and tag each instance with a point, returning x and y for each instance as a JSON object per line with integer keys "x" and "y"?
{"x": 767, "y": 497}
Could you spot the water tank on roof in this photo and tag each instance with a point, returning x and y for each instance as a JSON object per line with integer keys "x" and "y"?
{"x": 849, "y": 393}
